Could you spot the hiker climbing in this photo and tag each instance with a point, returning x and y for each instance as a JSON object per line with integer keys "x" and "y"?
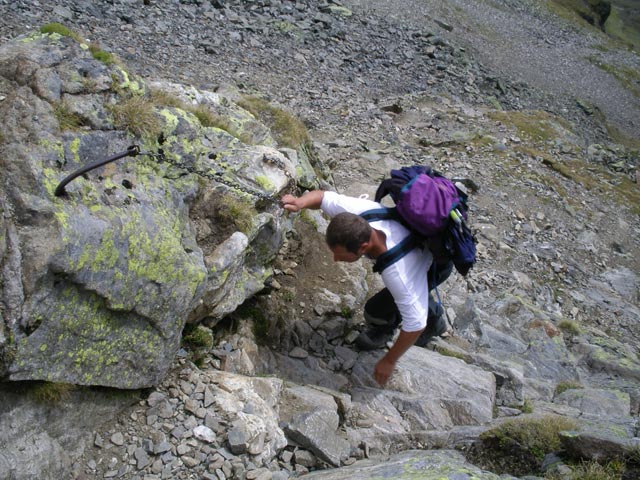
{"x": 361, "y": 227}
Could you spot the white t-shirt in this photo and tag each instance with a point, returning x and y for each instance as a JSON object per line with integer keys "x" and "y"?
{"x": 406, "y": 279}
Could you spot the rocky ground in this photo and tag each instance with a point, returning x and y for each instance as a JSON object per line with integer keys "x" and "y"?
{"x": 499, "y": 92}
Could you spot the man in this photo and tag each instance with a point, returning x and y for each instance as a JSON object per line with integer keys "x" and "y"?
{"x": 406, "y": 299}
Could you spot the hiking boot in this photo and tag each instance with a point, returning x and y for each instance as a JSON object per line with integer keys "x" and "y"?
{"x": 435, "y": 328}
{"x": 379, "y": 329}
{"x": 374, "y": 337}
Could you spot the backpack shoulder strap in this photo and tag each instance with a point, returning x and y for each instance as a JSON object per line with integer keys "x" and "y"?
{"x": 394, "y": 254}
{"x": 383, "y": 213}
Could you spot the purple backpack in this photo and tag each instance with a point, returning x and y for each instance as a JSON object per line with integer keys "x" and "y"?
{"x": 426, "y": 202}
{"x": 434, "y": 209}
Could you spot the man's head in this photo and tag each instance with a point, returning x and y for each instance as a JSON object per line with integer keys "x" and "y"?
{"x": 348, "y": 236}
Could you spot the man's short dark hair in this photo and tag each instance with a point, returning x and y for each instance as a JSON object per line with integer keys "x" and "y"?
{"x": 349, "y": 231}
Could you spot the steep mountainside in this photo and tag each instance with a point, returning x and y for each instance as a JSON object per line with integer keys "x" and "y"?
{"x": 535, "y": 107}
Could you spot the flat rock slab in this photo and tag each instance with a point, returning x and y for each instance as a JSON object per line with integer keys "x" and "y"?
{"x": 409, "y": 465}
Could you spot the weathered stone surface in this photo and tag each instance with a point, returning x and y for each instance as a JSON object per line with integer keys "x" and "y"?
{"x": 426, "y": 465}
{"x": 436, "y": 391}
{"x": 600, "y": 440}
{"x": 318, "y": 431}
{"x": 254, "y": 404}
{"x": 99, "y": 283}
{"x": 38, "y": 441}
{"x": 597, "y": 402}
{"x": 298, "y": 399}
{"x": 370, "y": 86}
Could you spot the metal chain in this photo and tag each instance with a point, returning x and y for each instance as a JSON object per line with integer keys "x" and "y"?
{"x": 217, "y": 176}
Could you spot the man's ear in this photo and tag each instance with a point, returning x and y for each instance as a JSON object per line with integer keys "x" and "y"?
{"x": 364, "y": 247}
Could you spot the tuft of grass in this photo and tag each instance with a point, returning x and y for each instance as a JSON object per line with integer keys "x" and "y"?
{"x": 60, "y": 29}
{"x": 165, "y": 99}
{"x": 346, "y": 312}
{"x": 569, "y": 326}
{"x": 536, "y": 125}
{"x": 50, "y": 392}
{"x": 527, "y": 406}
{"x": 536, "y": 436}
{"x": 259, "y": 322}
{"x": 199, "y": 338}
{"x": 199, "y": 341}
{"x": 567, "y": 385}
{"x": 101, "y": 55}
{"x": 288, "y": 296}
{"x": 67, "y": 120}
{"x": 233, "y": 210}
{"x": 288, "y": 130}
{"x": 136, "y": 114}
{"x": 207, "y": 118}
{"x": 633, "y": 455}
{"x": 591, "y": 470}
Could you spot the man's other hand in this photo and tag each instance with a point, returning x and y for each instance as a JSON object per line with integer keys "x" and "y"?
{"x": 384, "y": 369}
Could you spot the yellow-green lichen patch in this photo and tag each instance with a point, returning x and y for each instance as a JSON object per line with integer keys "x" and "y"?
{"x": 153, "y": 254}
{"x": 135, "y": 87}
{"x": 74, "y": 147}
{"x": 171, "y": 119}
{"x": 86, "y": 342}
{"x": 288, "y": 28}
{"x": 106, "y": 256}
{"x": 339, "y": 10}
{"x": 32, "y": 37}
{"x": 264, "y": 182}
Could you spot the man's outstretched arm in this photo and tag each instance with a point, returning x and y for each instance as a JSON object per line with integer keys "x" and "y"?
{"x": 312, "y": 199}
{"x": 384, "y": 368}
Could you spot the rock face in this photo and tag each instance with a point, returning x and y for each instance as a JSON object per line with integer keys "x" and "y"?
{"x": 547, "y": 322}
{"x": 98, "y": 284}
{"x": 426, "y": 465}
{"x": 31, "y": 429}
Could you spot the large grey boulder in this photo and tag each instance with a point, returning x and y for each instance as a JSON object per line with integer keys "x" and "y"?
{"x": 318, "y": 431}
{"x": 42, "y": 431}
{"x": 98, "y": 284}
{"x": 427, "y": 392}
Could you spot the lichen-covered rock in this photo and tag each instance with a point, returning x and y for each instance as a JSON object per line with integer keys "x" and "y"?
{"x": 423, "y": 464}
{"x": 98, "y": 284}
{"x": 601, "y": 440}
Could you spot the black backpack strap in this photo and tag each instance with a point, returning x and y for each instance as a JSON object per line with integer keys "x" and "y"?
{"x": 383, "y": 213}
{"x": 394, "y": 254}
